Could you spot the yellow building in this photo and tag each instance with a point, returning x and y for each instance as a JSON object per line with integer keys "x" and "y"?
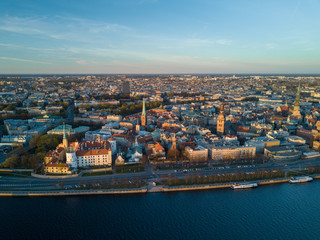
{"x": 57, "y": 168}
{"x": 316, "y": 145}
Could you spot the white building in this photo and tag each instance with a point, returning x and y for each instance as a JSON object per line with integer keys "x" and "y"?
{"x": 198, "y": 153}
{"x": 86, "y": 154}
{"x": 233, "y": 153}
{"x": 259, "y": 144}
{"x": 296, "y": 139}
{"x": 278, "y": 134}
{"x": 87, "y": 158}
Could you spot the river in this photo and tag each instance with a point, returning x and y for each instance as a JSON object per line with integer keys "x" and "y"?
{"x": 281, "y": 211}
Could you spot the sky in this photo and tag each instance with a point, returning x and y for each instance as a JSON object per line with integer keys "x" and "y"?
{"x": 159, "y": 36}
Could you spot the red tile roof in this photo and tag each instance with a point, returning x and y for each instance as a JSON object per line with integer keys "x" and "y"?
{"x": 92, "y": 152}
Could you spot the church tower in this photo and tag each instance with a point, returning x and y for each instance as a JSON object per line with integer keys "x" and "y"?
{"x": 220, "y": 121}
{"x": 143, "y": 114}
{"x": 296, "y": 104}
{"x": 65, "y": 139}
{"x": 174, "y": 142}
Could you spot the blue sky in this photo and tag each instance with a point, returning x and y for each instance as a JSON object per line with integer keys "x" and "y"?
{"x": 159, "y": 36}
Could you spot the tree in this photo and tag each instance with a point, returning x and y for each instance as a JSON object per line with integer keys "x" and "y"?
{"x": 46, "y": 143}
{"x": 10, "y": 107}
{"x": 11, "y": 162}
{"x": 33, "y": 142}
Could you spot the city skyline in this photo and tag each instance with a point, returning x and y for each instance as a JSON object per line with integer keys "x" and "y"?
{"x": 154, "y": 36}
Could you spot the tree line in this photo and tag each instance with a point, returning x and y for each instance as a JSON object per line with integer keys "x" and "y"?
{"x": 32, "y": 157}
{"x": 191, "y": 179}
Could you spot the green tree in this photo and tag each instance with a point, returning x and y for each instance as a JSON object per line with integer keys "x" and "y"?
{"x": 33, "y": 142}
{"x": 46, "y": 143}
{"x": 10, "y": 107}
{"x": 11, "y": 162}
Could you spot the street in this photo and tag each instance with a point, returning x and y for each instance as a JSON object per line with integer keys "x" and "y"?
{"x": 17, "y": 183}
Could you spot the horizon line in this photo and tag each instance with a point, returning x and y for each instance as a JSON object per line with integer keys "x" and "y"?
{"x": 186, "y": 73}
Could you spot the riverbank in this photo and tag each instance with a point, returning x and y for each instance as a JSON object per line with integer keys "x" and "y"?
{"x": 142, "y": 190}
{"x": 70, "y": 192}
{"x": 220, "y": 186}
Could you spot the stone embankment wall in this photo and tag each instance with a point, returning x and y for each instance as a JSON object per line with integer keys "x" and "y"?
{"x": 70, "y": 193}
{"x": 52, "y": 176}
{"x": 193, "y": 188}
{"x": 15, "y": 170}
{"x": 95, "y": 170}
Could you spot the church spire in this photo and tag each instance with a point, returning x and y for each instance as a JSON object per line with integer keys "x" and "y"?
{"x": 221, "y": 108}
{"x": 220, "y": 121}
{"x": 143, "y": 114}
{"x": 64, "y": 131}
{"x": 296, "y": 104}
{"x": 65, "y": 139}
{"x": 297, "y": 101}
{"x": 144, "y": 107}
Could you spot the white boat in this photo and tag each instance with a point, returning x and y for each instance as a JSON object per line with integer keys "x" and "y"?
{"x": 244, "y": 185}
{"x": 301, "y": 179}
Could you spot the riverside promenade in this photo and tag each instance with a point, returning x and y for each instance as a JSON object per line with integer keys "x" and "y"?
{"x": 70, "y": 192}
{"x": 142, "y": 190}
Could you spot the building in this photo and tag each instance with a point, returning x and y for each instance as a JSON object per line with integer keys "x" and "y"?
{"x": 57, "y": 168}
{"x": 69, "y": 130}
{"x": 87, "y": 154}
{"x": 135, "y": 153}
{"x": 55, "y": 155}
{"x": 296, "y": 105}
{"x": 16, "y": 139}
{"x": 233, "y": 153}
{"x": 198, "y": 153}
{"x": 70, "y": 111}
{"x": 316, "y": 145}
{"x": 94, "y": 157}
{"x": 282, "y": 153}
{"x": 21, "y": 131}
{"x": 220, "y": 121}
{"x": 144, "y": 114}
{"x": 125, "y": 87}
{"x": 154, "y": 150}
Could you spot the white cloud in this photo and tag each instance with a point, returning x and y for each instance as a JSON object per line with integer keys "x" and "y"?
{"x": 270, "y": 45}
{"x": 224, "y": 42}
{"x": 23, "y": 60}
{"x": 58, "y": 27}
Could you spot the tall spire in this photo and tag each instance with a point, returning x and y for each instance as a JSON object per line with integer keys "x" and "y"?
{"x": 222, "y": 108}
{"x": 65, "y": 139}
{"x": 136, "y": 144}
{"x": 296, "y": 104}
{"x": 64, "y": 131}
{"x": 297, "y": 101}
{"x": 220, "y": 121}
{"x": 144, "y": 107}
{"x": 143, "y": 114}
